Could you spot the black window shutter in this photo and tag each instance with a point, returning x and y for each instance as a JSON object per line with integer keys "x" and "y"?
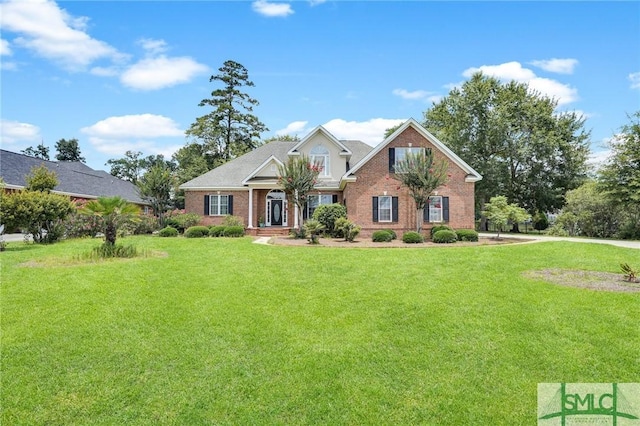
{"x": 305, "y": 212}
{"x": 206, "y": 205}
{"x": 230, "y": 203}
{"x": 445, "y": 209}
{"x": 425, "y": 216}
{"x": 394, "y": 209}
{"x": 335, "y": 198}
{"x": 392, "y": 160}
{"x": 375, "y": 209}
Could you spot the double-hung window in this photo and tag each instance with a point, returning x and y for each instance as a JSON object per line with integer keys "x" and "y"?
{"x": 435, "y": 209}
{"x": 319, "y": 157}
{"x": 384, "y": 209}
{"x": 396, "y": 155}
{"x": 219, "y": 205}
{"x": 313, "y": 201}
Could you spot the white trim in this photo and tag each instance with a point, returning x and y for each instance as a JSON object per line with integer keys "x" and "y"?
{"x": 250, "y": 220}
{"x": 219, "y": 188}
{"x": 295, "y": 150}
{"x": 472, "y": 175}
{"x": 257, "y": 170}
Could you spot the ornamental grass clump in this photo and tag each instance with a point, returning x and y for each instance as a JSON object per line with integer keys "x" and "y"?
{"x": 107, "y": 250}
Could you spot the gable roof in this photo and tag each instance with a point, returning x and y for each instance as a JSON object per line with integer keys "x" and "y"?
{"x": 343, "y": 149}
{"x": 75, "y": 179}
{"x": 235, "y": 173}
{"x": 472, "y": 175}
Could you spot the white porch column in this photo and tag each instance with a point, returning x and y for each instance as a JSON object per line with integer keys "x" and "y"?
{"x": 296, "y": 225}
{"x": 250, "y": 222}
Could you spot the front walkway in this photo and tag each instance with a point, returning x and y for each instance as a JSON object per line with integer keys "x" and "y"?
{"x": 618, "y": 243}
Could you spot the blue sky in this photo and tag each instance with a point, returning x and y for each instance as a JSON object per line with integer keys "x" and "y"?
{"x": 129, "y": 75}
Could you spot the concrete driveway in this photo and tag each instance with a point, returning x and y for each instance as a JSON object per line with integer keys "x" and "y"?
{"x": 619, "y": 243}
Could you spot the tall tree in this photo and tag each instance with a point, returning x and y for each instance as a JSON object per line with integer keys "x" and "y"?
{"x": 40, "y": 151}
{"x": 297, "y": 178}
{"x": 421, "y": 175}
{"x": 69, "y": 150}
{"x": 156, "y": 186}
{"x": 501, "y": 213}
{"x": 133, "y": 165}
{"x": 620, "y": 175}
{"x": 231, "y": 129}
{"x": 515, "y": 138}
{"x": 41, "y": 179}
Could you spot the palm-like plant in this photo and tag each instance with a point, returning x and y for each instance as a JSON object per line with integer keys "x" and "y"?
{"x": 113, "y": 213}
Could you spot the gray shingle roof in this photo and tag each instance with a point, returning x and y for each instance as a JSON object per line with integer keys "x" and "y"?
{"x": 74, "y": 178}
{"x": 231, "y": 174}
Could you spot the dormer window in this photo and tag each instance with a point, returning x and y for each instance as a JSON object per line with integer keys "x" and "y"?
{"x": 319, "y": 156}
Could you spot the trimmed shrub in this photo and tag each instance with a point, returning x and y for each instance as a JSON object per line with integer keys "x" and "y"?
{"x": 439, "y": 228}
{"x": 467, "y": 235}
{"x": 232, "y": 221}
{"x": 233, "y": 231}
{"x": 394, "y": 236}
{"x": 181, "y": 221}
{"x": 540, "y": 222}
{"x": 217, "y": 230}
{"x": 168, "y": 232}
{"x": 412, "y": 237}
{"x": 349, "y": 229}
{"x": 196, "y": 232}
{"x": 382, "y": 236}
{"x": 444, "y": 237}
{"x": 327, "y": 214}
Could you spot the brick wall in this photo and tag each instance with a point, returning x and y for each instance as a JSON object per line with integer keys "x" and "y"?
{"x": 373, "y": 179}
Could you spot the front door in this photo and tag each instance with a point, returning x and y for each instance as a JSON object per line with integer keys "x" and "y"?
{"x": 276, "y": 212}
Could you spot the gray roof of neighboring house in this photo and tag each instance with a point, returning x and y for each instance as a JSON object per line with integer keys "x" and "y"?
{"x": 74, "y": 178}
{"x": 232, "y": 174}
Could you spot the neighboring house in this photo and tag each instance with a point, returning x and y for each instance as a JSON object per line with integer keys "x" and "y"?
{"x": 353, "y": 173}
{"x": 76, "y": 179}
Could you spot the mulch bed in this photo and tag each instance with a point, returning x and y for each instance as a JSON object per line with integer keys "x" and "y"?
{"x": 592, "y": 280}
{"x": 367, "y": 243}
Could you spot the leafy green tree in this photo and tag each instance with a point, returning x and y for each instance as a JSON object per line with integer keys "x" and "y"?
{"x": 40, "y": 213}
{"x": 388, "y": 132}
{"x": 41, "y": 179}
{"x": 620, "y": 175}
{"x": 231, "y": 129}
{"x": 113, "y": 212}
{"x": 516, "y": 139}
{"x": 421, "y": 175}
{"x": 40, "y": 151}
{"x": 590, "y": 213}
{"x": 191, "y": 161}
{"x": 501, "y": 213}
{"x": 297, "y": 178}
{"x": 69, "y": 150}
{"x": 283, "y": 138}
{"x": 156, "y": 186}
{"x": 133, "y": 165}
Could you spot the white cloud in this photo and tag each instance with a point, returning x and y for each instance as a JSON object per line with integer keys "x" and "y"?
{"x": 294, "y": 128}
{"x": 161, "y": 72}
{"x": 105, "y": 71}
{"x": 116, "y": 135}
{"x": 271, "y": 10}
{"x": 5, "y": 49}
{"x": 316, "y": 2}
{"x": 560, "y": 66}
{"x": 634, "y": 77}
{"x": 562, "y": 93}
{"x": 370, "y": 132}
{"x": 13, "y": 132}
{"x": 415, "y": 95}
{"x": 54, "y": 34}
{"x": 598, "y": 159}
{"x": 152, "y": 46}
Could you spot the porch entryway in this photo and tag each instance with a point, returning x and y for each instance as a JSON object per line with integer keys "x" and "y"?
{"x": 277, "y": 211}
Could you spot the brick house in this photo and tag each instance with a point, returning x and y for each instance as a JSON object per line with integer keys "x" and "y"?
{"x": 353, "y": 173}
{"x": 75, "y": 179}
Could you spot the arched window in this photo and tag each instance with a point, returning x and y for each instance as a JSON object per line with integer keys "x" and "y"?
{"x": 320, "y": 158}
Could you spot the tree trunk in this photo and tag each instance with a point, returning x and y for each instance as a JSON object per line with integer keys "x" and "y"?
{"x": 419, "y": 217}
{"x": 110, "y": 234}
{"x": 515, "y": 228}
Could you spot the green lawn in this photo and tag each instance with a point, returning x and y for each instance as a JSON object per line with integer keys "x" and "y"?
{"x": 223, "y": 331}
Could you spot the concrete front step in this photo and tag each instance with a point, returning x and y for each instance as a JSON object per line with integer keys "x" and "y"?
{"x": 272, "y": 231}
